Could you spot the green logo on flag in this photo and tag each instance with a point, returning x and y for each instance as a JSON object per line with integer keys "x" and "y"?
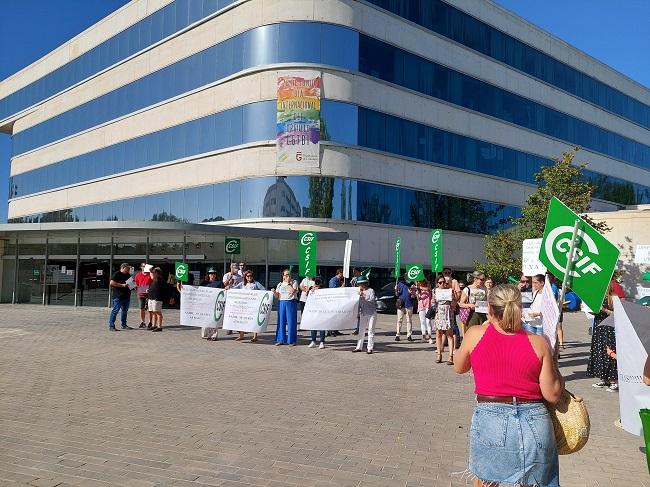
{"x": 181, "y": 271}
{"x": 232, "y": 246}
{"x": 594, "y": 258}
{"x": 307, "y": 251}
{"x": 436, "y": 250}
{"x": 219, "y": 305}
{"x": 264, "y": 309}
{"x": 398, "y": 264}
{"x": 414, "y": 272}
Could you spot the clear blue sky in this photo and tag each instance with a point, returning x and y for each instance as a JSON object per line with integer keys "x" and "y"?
{"x": 614, "y": 32}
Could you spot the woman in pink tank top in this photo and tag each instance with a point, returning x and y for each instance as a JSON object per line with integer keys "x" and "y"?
{"x": 511, "y": 437}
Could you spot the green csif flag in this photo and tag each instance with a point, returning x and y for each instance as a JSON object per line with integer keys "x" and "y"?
{"x": 594, "y": 258}
{"x": 398, "y": 265}
{"x": 307, "y": 252}
{"x": 414, "y": 272}
{"x": 181, "y": 271}
{"x": 436, "y": 250}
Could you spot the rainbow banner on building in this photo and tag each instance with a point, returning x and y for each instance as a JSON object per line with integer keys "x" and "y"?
{"x": 298, "y": 118}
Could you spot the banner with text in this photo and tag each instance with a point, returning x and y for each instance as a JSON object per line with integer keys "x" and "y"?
{"x": 436, "y": 250}
{"x": 398, "y": 264}
{"x": 298, "y": 118}
{"x": 202, "y": 306}
{"x": 632, "y": 344}
{"x": 307, "y": 253}
{"x": 331, "y": 309}
{"x": 247, "y": 310}
{"x": 530, "y": 263}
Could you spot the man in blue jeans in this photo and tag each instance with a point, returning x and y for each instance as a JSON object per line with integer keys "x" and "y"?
{"x": 121, "y": 296}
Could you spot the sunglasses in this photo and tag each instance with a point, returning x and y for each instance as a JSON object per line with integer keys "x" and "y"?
{"x": 525, "y": 281}
{"x": 481, "y": 278}
{"x": 441, "y": 282}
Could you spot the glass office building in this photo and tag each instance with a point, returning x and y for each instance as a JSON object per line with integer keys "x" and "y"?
{"x": 434, "y": 114}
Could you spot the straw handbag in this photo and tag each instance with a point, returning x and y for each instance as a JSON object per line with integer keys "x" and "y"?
{"x": 570, "y": 423}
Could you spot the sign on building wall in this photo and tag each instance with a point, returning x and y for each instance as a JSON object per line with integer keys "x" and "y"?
{"x": 298, "y": 118}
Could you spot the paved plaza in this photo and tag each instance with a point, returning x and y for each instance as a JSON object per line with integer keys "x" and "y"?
{"x": 82, "y": 406}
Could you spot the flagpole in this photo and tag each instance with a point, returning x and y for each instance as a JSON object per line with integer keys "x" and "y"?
{"x": 569, "y": 263}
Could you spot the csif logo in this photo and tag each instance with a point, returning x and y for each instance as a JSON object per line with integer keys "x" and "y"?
{"x": 307, "y": 238}
{"x": 435, "y": 236}
{"x": 413, "y": 273}
{"x": 264, "y": 309}
{"x": 219, "y": 305}
{"x": 298, "y": 156}
{"x": 558, "y": 245}
{"x": 231, "y": 246}
{"x": 181, "y": 270}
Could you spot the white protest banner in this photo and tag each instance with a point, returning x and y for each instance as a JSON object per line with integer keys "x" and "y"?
{"x": 247, "y": 310}
{"x": 481, "y": 307}
{"x": 202, "y": 306}
{"x": 530, "y": 263}
{"x": 550, "y": 312}
{"x": 642, "y": 292}
{"x": 331, "y": 309}
{"x": 632, "y": 340}
{"x": 443, "y": 294}
{"x": 642, "y": 254}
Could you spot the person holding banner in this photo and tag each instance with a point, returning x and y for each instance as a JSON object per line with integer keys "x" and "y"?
{"x": 473, "y": 300}
{"x": 511, "y": 439}
{"x": 442, "y": 323}
{"x": 404, "y": 308}
{"x": 317, "y": 284}
{"x": 287, "y": 328}
{"x": 424, "y": 295}
{"x": 367, "y": 314}
{"x": 249, "y": 282}
{"x": 210, "y": 334}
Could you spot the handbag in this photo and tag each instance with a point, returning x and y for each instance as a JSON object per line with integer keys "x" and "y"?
{"x": 431, "y": 312}
{"x": 570, "y": 423}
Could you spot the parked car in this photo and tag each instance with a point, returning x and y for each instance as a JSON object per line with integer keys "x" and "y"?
{"x": 386, "y": 299}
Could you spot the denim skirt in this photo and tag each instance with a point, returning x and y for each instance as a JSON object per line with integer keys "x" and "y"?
{"x": 513, "y": 444}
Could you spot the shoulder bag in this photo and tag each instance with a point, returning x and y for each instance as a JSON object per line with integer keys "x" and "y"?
{"x": 570, "y": 423}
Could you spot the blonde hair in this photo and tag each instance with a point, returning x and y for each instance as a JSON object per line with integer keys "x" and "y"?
{"x": 505, "y": 300}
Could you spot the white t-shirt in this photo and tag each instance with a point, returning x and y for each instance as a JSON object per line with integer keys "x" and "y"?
{"x": 306, "y": 282}
{"x": 284, "y": 288}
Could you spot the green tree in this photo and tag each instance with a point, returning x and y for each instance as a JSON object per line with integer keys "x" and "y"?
{"x": 565, "y": 181}
{"x": 321, "y": 196}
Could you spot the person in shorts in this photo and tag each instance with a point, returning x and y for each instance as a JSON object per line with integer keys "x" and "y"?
{"x": 156, "y": 297}
{"x": 143, "y": 281}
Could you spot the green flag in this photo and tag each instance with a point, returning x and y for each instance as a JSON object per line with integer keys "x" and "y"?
{"x": 307, "y": 252}
{"x": 181, "y": 271}
{"x": 232, "y": 246}
{"x": 398, "y": 265}
{"x": 594, "y": 259}
{"x": 414, "y": 272}
{"x": 436, "y": 250}
{"x": 366, "y": 273}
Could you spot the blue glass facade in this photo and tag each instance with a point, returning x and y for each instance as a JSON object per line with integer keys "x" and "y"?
{"x": 454, "y": 24}
{"x": 403, "y": 68}
{"x": 336, "y": 46}
{"x": 297, "y": 196}
{"x": 275, "y": 43}
{"x": 345, "y": 123}
{"x": 160, "y": 24}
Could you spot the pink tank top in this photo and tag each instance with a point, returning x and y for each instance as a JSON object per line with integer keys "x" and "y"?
{"x": 506, "y": 365}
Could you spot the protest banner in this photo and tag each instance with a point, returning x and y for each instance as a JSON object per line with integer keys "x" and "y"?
{"x": 346, "y": 259}
{"x": 398, "y": 264}
{"x": 632, "y": 342}
{"x": 443, "y": 294}
{"x": 550, "y": 313}
{"x": 307, "y": 253}
{"x": 247, "y": 310}
{"x": 436, "y": 250}
{"x": 331, "y": 309}
{"x": 530, "y": 263}
{"x": 202, "y": 306}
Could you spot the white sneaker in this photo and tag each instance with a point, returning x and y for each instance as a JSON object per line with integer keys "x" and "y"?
{"x": 431, "y": 341}
{"x": 311, "y": 345}
{"x": 321, "y": 346}
{"x": 612, "y": 388}
{"x": 600, "y": 385}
